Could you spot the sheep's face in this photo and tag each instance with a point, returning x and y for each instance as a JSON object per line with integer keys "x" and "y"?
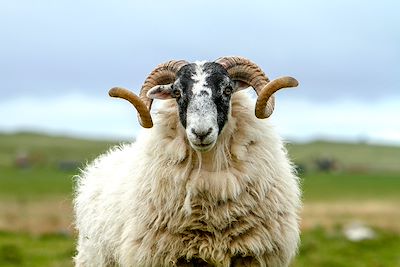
{"x": 203, "y": 93}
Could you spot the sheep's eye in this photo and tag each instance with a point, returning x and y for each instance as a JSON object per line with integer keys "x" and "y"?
{"x": 228, "y": 90}
{"x": 176, "y": 93}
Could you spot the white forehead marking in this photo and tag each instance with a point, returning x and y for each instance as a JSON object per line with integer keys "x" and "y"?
{"x": 199, "y": 78}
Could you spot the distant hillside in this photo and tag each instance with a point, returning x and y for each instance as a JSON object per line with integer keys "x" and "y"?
{"x": 44, "y": 149}
{"x": 348, "y": 156}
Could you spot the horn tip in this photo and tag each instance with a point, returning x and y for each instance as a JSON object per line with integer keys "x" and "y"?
{"x": 113, "y": 92}
{"x": 148, "y": 124}
{"x": 293, "y": 82}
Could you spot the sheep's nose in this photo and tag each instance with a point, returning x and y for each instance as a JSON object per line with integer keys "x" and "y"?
{"x": 202, "y": 133}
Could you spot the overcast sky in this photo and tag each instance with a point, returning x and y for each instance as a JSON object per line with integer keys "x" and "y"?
{"x": 59, "y": 58}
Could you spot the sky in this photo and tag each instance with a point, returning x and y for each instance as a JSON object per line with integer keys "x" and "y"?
{"x": 59, "y": 58}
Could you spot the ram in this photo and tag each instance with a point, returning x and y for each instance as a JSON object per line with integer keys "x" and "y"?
{"x": 210, "y": 184}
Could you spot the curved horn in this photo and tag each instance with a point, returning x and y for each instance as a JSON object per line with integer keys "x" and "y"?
{"x": 244, "y": 70}
{"x": 263, "y": 110}
{"x": 163, "y": 74}
{"x": 143, "y": 112}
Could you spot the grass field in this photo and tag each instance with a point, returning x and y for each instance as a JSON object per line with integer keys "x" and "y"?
{"x": 319, "y": 248}
{"x": 21, "y": 249}
{"x": 36, "y": 215}
{"x": 350, "y": 157}
{"x": 48, "y": 150}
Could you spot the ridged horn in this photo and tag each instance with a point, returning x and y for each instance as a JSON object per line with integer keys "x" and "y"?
{"x": 244, "y": 70}
{"x": 163, "y": 74}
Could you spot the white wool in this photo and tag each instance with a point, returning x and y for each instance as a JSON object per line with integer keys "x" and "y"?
{"x": 157, "y": 202}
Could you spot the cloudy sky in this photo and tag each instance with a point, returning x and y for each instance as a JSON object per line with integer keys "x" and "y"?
{"x": 59, "y": 58}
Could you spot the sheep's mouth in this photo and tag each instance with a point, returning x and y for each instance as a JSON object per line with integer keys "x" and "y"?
{"x": 204, "y": 145}
{"x": 201, "y": 147}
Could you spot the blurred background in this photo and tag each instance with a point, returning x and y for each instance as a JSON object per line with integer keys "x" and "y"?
{"x": 59, "y": 58}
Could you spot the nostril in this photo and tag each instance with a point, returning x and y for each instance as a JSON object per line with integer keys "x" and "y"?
{"x": 201, "y": 134}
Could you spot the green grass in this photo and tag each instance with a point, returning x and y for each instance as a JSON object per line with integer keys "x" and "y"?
{"x": 332, "y": 249}
{"x": 45, "y": 177}
{"x": 349, "y": 156}
{"x": 365, "y": 173}
{"x": 32, "y": 183}
{"x": 344, "y": 186}
{"x": 44, "y": 150}
{"x": 36, "y": 251}
{"x": 318, "y": 248}
{"x": 44, "y": 182}
{"x": 52, "y": 163}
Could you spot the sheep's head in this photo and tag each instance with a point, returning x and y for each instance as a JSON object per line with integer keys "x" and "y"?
{"x": 203, "y": 93}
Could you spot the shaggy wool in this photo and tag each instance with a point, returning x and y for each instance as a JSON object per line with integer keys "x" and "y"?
{"x": 157, "y": 202}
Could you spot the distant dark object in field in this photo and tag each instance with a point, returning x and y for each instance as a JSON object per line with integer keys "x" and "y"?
{"x": 22, "y": 160}
{"x": 326, "y": 164}
{"x": 25, "y": 159}
{"x": 301, "y": 168}
{"x": 69, "y": 165}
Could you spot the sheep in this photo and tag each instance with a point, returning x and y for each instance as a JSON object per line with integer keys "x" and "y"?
{"x": 209, "y": 184}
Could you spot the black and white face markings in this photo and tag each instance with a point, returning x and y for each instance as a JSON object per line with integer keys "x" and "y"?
{"x": 203, "y": 92}
{"x": 204, "y": 102}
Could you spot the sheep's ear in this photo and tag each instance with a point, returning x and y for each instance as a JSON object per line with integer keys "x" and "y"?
{"x": 239, "y": 85}
{"x": 160, "y": 92}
